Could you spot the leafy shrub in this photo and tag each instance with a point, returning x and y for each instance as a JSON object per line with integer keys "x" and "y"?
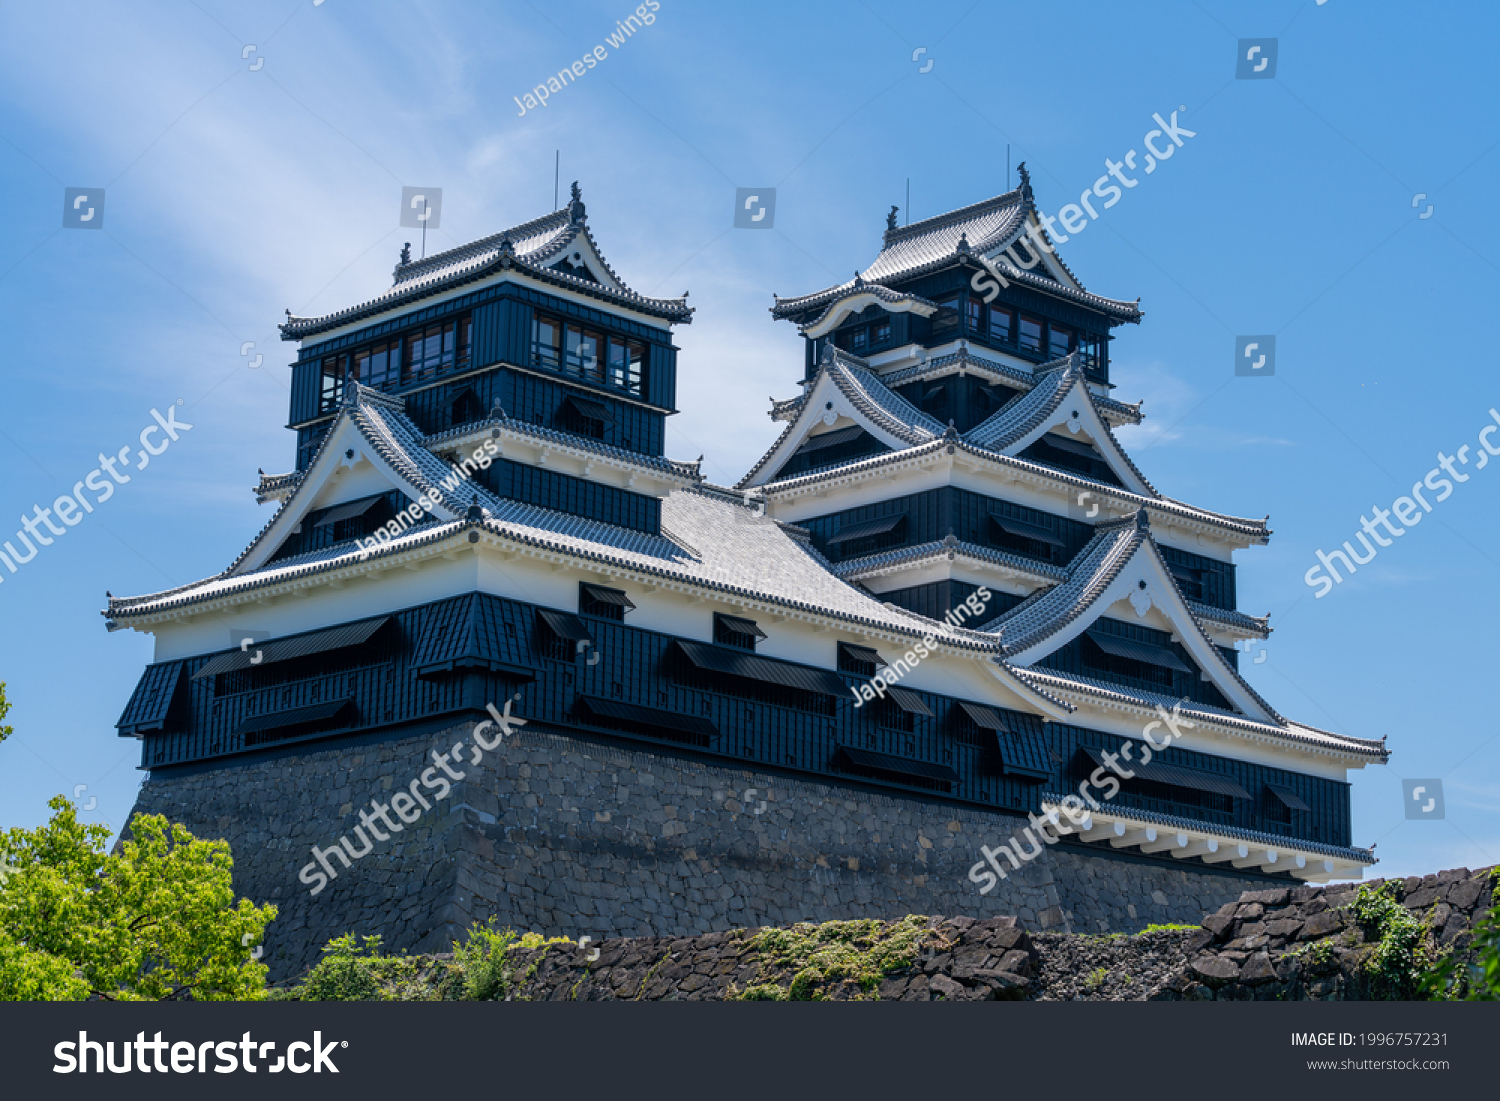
{"x": 156, "y": 920}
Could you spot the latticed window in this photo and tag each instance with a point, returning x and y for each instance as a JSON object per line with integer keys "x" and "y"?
{"x": 732, "y": 630}
{"x": 596, "y": 600}
{"x": 437, "y": 348}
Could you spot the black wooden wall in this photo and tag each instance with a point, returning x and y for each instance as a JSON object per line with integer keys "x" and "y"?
{"x": 451, "y": 657}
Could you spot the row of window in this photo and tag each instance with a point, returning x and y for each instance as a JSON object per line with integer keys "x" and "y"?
{"x": 729, "y": 630}
{"x": 412, "y": 357}
{"x": 993, "y": 323}
{"x": 590, "y": 354}
{"x": 861, "y": 338}
{"x": 1003, "y": 326}
{"x": 866, "y": 537}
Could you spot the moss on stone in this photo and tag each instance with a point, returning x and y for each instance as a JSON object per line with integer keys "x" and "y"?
{"x": 843, "y": 960}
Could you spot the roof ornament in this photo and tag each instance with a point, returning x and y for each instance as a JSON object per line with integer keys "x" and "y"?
{"x": 963, "y": 242}
{"x": 859, "y": 280}
{"x": 890, "y": 219}
{"x": 406, "y": 254}
{"x": 1025, "y": 187}
{"x": 474, "y": 511}
{"x": 507, "y": 251}
{"x": 576, "y": 210}
{"x": 1142, "y": 520}
{"x": 497, "y": 411}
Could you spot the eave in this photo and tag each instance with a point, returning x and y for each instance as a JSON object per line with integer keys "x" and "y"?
{"x": 954, "y": 451}
{"x": 1194, "y": 842}
{"x": 1352, "y": 752}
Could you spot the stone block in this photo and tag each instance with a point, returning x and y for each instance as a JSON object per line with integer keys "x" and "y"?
{"x": 1321, "y": 924}
{"x": 1258, "y": 969}
{"x": 1215, "y": 970}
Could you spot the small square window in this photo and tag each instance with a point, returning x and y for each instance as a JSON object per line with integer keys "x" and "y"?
{"x": 606, "y": 603}
{"x": 734, "y": 631}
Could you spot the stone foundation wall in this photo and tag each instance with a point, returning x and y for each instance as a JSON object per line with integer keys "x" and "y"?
{"x": 569, "y": 837}
{"x": 1307, "y": 944}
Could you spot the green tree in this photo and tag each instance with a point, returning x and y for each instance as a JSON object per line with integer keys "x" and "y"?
{"x": 155, "y": 921}
{"x": 5, "y": 731}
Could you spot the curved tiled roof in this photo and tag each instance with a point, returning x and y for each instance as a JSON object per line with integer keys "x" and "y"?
{"x": 1010, "y": 425}
{"x": 1299, "y": 733}
{"x": 1116, "y": 411}
{"x": 859, "y": 287}
{"x": 1093, "y": 569}
{"x": 882, "y": 406}
{"x": 1005, "y": 426}
{"x": 475, "y": 429}
{"x": 1251, "y": 624}
{"x": 854, "y": 568}
{"x": 935, "y": 243}
{"x": 1252, "y": 529}
{"x": 526, "y": 247}
{"x": 720, "y": 545}
{"x": 872, "y": 395}
{"x": 276, "y": 485}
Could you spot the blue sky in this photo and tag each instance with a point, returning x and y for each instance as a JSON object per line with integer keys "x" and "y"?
{"x": 235, "y": 192}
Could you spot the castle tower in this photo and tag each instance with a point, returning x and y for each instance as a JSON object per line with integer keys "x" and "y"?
{"x": 481, "y": 517}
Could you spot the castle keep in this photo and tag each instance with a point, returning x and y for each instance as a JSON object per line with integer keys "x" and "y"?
{"x": 942, "y": 602}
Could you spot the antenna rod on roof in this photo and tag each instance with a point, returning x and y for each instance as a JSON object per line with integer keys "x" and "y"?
{"x": 556, "y": 165}
{"x": 908, "y": 200}
{"x": 1007, "y": 166}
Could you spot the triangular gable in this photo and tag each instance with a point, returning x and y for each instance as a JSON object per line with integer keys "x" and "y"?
{"x": 1121, "y": 570}
{"x": 1028, "y": 232}
{"x": 1060, "y": 400}
{"x": 846, "y": 393}
{"x": 580, "y": 251}
{"x": 370, "y": 429}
